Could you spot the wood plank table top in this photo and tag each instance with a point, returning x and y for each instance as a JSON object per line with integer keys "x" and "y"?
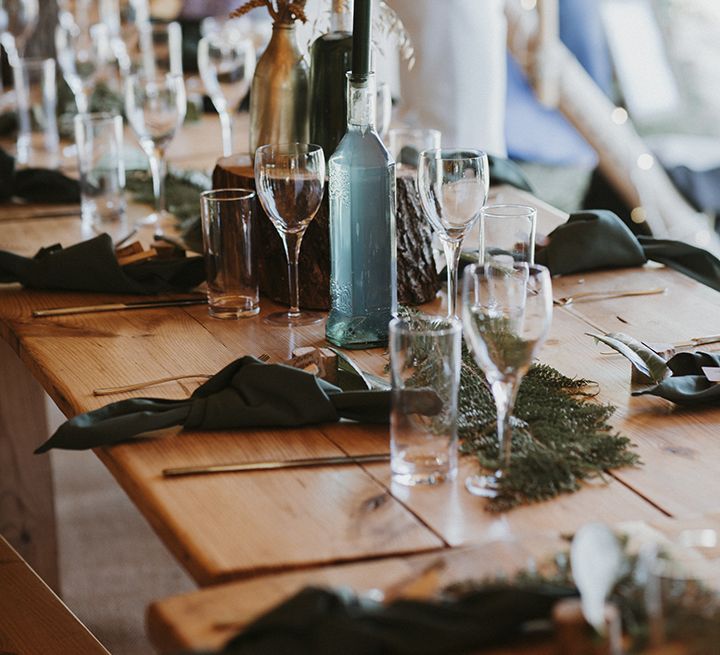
{"x": 231, "y": 526}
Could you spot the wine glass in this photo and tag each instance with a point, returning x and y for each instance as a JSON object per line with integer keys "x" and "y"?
{"x": 124, "y": 20}
{"x": 155, "y": 107}
{"x": 18, "y": 19}
{"x": 507, "y": 310}
{"x": 226, "y": 65}
{"x": 160, "y": 49}
{"x": 453, "y": 187}
{"x": 83, "y": 53}
{"x": 290, "y": 181}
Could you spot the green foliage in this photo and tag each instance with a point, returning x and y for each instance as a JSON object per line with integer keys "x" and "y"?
{"x": 560, "y": 434}
{"x": 644, "y": 359}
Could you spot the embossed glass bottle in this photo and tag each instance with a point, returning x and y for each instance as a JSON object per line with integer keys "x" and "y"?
{"x": 363, "y": 280}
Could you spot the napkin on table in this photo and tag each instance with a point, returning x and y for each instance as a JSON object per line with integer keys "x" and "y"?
{"x": 688, "y": 385}
{"x": 92, "y": 266}
{"x": 246, "y": 393}
{"x": 35, "y": 184}
{"x": 319, "y": 621}
{"x": 599, "y": 239}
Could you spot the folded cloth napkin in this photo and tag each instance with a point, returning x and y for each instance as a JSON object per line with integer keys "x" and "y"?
{"x": 320, "y": 621}
{"x": 92, "y": 266}
{"x": 506, "y": 171}
{"x": 35, "y": 184}
{"x": 688, "y": 385}
{"x": 246, "y": 393}
{"x": 599, "y": 239}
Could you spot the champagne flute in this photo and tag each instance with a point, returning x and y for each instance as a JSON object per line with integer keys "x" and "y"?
{"x": 226, "y": 65}
{"x": 453, "y": 187}
{"x": 155, "y": 107}
{"x": 507, "y": 310}
{"x": 290, "y": 181}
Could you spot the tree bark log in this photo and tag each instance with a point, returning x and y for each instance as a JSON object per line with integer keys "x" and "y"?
{"x": 418, "y": 280}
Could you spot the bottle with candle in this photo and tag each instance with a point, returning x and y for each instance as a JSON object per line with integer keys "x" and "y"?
{"x": 329, "y": 62}
{"x": 363, "y": 280}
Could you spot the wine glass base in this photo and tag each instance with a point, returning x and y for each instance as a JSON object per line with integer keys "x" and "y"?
{"x": 289, "y": 319}
{"x": 485, "y": 486}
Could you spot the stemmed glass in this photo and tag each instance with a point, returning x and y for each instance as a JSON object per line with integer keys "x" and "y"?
{"x": 453, "y": 186}
{"x": 18, "y": 19}
{"x": 155, "y": 107}
{"x": 83, "y": 53}
{"x": 506, "y": 311}
{"x": 125, "y": 19}
{"x": 290, "y": 181}
{"x": 226, "y": 65}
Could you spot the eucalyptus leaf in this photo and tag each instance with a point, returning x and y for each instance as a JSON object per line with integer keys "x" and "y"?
{"x": 644, "y": 359}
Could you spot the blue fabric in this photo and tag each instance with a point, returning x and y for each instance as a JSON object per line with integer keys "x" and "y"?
{"x": 535, "y": 133}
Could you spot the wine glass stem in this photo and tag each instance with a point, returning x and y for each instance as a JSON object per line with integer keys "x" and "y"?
{"x": 504, "y": 391}
{"x": 227, "y": 135}
{"x": 452, "y": 259}
{"x": 158, "y": 168}
{"x": 292, "y": 241}
{"x": 82, "y": 102}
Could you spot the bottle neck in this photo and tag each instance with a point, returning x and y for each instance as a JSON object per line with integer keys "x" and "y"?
{"x": 361, "y": 102}
{"x": 341, "y": 16}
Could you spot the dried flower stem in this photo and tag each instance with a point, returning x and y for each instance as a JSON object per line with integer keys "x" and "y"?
{"x": 286, "y": 11}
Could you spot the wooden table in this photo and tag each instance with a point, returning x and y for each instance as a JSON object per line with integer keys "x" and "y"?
{"x": 229, "y": 526}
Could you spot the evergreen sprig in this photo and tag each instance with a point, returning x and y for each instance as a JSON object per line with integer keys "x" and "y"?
{"x": 560, "y": 434}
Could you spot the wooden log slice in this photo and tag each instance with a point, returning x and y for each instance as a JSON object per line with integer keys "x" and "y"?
{"x": 418, "y": 281}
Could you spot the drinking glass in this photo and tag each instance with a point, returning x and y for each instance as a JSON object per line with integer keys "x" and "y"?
{"x": 406, "y": 144}
{"x": 290, "y": 180}
{"x": 507, "y": 310}
{"x": 124, "y": 20}
{"x": 83, "y": 54}
{"x": 425, "y": 368}
{"x": 160, "y": 49}
{"x": 38, "y": 143}
{"x": 99, "y": 139}
{"x": 18, "y": 19}
{"x": 155, "y": 108}
{"x": 232, "y": 285}
{"x": 507, "y": 231}
{"x": 226, "y": 65}
{"x": 453, "y": 187}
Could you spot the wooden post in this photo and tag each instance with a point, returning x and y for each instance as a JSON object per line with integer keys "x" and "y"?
{"x": 27, "y": 508}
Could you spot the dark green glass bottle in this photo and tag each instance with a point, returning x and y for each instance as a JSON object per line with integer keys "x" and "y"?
{"x": 330, "y": 60}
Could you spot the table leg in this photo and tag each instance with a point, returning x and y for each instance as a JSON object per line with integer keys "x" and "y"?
{"x": 27, "y": 508}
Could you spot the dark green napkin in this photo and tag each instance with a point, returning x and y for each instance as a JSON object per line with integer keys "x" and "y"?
{"x": 688, "y": 385}
{"x": 506, "y": 171}
{"x": 92, "y": 266}
{"x": 246, "y": 393}
{"x": 599, "y": 239}
{"x": 35, "y": 184}
{"x": 320, "y": 621}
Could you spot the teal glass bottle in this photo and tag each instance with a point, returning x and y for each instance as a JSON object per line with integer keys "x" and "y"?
{"x": 363, "y": 280}
{"x": 330, "y": 60}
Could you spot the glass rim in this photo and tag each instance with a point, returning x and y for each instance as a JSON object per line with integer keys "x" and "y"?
{"x": 497, "y": 210}
{"x": 477, "y": 267}
{"x": 240, "y": 193}
{"x": 453, "y": 325}
{"x": 96, "y": 117}
{"x": 452, "y": 154}
{"x": 284, "y": 147}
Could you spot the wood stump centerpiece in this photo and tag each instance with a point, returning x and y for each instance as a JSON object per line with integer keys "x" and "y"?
{"x": 418, "y": 280}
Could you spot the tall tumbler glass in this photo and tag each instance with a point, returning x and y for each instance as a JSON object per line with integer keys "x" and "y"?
{"x": 38, "y": 143}
{"x": 232, "y": 283}
{"x": 99, "y": 139}
{"x": 507, "y": 231}
{"x": 425, "y": 368}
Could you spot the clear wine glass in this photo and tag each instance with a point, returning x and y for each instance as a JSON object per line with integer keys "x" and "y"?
{"x": 18, "y": 19}
{"x": 160, "y": 49}
{"x": 83, "y": 54}
{"x": 125, "y": 19}
{"x": 155, "y": 108}
{"x": 226, "y": 65}
{"x": 506, "y": 311}
{"x": 290, "y": 181}
{"x": 453, "y": 187}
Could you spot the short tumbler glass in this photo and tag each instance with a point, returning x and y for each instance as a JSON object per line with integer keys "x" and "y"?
{"x": 99, "y": 139}
{"x": 507, "y": 231}
{"x": 232, "y": 283}
{"x": 425, "y": 368}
